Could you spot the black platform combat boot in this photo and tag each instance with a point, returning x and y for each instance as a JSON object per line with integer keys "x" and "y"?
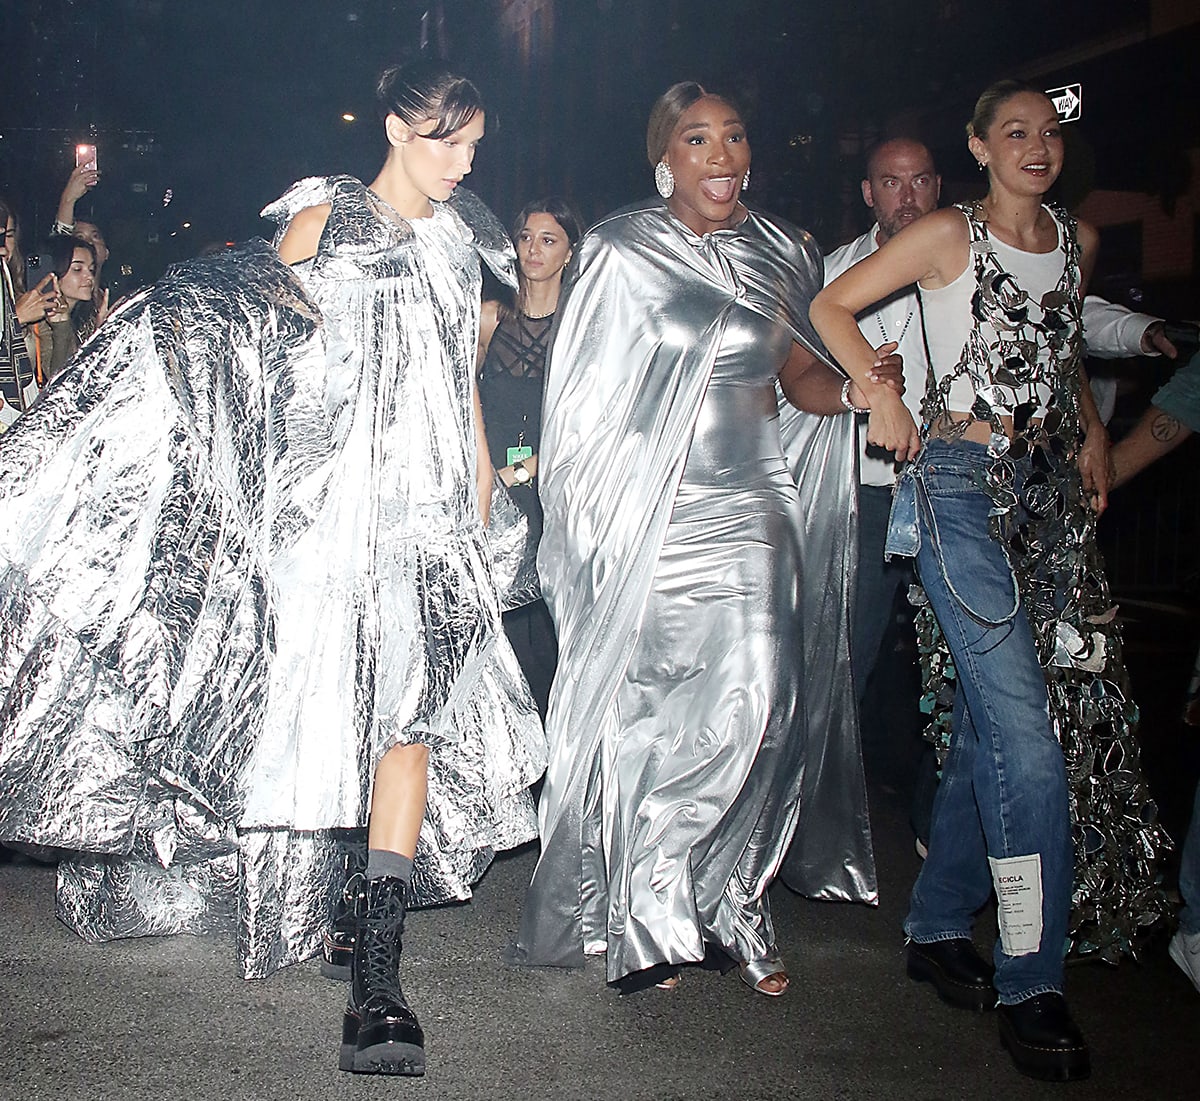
{"x": 337, "y": 946}
{"x": 380, "y": 1033}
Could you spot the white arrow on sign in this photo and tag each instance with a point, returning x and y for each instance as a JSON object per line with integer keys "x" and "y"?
{"x": 1068, "y": 102}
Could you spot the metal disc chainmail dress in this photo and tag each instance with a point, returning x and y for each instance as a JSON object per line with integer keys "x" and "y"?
{"x": 1050, "y": 539}
{"x": 240, "y": 558}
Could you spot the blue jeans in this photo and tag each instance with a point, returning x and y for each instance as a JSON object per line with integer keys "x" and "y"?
{"x": 1004, "y": 788}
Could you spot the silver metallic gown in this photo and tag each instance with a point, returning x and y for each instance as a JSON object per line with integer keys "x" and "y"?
{"x": 240, "y": 558}
{"x": 675, "y": 559}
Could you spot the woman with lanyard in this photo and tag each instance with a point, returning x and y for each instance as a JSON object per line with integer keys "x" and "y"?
{"x": 513, "y": 345}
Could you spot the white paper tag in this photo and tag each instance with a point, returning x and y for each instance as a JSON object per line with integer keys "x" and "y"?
{"x": 1018, "y": 882}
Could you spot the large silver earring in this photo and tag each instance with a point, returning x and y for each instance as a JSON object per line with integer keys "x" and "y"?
{"x": 746, "y": 180}
{"x": 664, "y": 179}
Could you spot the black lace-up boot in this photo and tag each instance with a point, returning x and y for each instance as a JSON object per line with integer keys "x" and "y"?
{"x": 380, "y": 1033}
{"x": 337, "y": 946}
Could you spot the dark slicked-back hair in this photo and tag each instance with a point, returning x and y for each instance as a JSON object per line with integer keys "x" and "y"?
{"x": 988, "y": 104}
{"x": 422, "y": 90}
{"x": 669, "y": 108}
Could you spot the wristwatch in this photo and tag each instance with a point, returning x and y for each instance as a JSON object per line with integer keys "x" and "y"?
{"x": 522, "y": 475}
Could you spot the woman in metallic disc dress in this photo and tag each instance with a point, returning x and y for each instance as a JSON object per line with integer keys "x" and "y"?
{"x": 1041, "y": 799}
{"x": 677, "y": 558}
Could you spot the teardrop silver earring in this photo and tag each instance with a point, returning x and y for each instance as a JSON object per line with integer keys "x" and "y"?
{"x": 664, "y": 179}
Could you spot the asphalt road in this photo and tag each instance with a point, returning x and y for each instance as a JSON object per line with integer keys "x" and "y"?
{"x": 170, "y": 1018}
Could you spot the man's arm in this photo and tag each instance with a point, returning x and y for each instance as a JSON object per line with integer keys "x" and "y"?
{"x": 1155, "y": 435}
{"x": 1114, "y": 332}
{"x": 1172, "y": 417}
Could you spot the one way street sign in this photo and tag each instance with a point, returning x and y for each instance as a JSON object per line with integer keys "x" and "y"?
{"x": 1068, "y": 102}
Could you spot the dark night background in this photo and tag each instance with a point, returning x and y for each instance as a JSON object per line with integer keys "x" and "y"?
{"x": 225, "y": 102}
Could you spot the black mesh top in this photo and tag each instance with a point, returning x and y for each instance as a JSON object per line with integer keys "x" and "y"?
{"x": 511, "y": 383}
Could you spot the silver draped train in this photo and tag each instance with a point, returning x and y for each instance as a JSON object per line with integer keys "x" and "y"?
{"x": 240, "y": 557}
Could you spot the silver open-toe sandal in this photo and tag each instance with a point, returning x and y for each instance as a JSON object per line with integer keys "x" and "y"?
{"x": 758, "y": 973}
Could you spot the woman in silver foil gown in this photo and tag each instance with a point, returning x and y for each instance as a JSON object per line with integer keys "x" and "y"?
{"x": 247, "y": 590}
{"x": 698, "y": 597}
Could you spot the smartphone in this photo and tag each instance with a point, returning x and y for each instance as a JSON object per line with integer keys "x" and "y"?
{"x": 86, "y": 155}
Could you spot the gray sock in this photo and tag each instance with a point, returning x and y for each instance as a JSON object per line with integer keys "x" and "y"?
{"x": 382, "y": 862}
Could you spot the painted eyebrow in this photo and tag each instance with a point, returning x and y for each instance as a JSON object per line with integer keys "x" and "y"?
{"x": 705, "y": 126}
{"x": 1029, "y": 122}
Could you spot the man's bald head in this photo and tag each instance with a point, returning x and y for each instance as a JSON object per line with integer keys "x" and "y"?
{"x": 901, "y": 185}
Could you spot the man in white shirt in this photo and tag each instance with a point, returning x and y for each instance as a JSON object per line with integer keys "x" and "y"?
{"x": 902, "y": 185}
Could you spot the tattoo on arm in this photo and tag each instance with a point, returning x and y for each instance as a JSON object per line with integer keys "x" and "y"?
{"x": 1164, "y": 428}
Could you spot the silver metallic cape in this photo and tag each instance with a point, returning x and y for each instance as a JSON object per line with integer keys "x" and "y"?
{"x": 240, "y": 558}
{"x": 645, "y": 872}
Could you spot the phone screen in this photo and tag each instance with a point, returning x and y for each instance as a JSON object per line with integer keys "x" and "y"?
{"x": 86, "y": 154}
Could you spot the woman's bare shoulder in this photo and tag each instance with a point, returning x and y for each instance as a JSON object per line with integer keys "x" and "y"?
{"x": 932, "y": 250}
{"x": 304, "y": 234}
{"x": 946, "y": 224}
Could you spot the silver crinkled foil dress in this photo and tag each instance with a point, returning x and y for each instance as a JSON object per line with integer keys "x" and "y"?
{"x": 702, "y": 706}
{"x": 240, "y": 558}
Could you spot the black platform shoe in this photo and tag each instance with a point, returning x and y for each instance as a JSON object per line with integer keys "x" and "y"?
{"x": 380, "y": 1033}
{"x": 1043, "y": 1040}
{"x": 958, "y": 973}
{"x": 337, "y": 945}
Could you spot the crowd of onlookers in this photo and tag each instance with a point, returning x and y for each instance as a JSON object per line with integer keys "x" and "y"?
{"x": 43, "y": 325}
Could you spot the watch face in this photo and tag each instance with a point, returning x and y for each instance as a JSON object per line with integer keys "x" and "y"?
{"x": 521, "y": 475}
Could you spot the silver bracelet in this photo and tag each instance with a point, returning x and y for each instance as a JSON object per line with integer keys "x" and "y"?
{"x": 850, "y": 406}
{"x": 62, "y": 229}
